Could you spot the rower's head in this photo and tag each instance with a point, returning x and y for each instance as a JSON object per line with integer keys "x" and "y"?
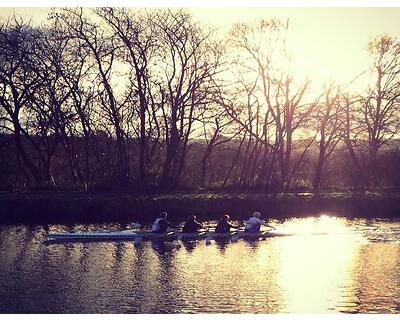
{"x": 226, "y": 217}
{"x": 256, "y": 214}
{"x": 163, "y": 215}
{"x": 192, "y": 218}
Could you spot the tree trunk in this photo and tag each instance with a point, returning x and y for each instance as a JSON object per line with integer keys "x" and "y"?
{"x": 24, "y": 157}
{"x": 172, "y": 151}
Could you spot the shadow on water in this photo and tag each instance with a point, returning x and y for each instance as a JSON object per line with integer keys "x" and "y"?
{"x": 189, "y": 245}
{"x": 253, "y": 244}
{"x": 222, "y": 244}
{"x": 163, "y": 247}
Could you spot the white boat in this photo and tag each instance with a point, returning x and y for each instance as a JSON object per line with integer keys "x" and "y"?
{"x": 137, "y": 236}
{"x": 108, "y": 235}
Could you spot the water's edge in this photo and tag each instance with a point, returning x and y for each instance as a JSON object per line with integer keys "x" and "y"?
{"x": 65, "y": 207}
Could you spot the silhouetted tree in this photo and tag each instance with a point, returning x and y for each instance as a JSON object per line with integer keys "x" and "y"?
{"x": 329, "y": 121}
{"x": 19, "y": 80}
{"x": 380, "y": 106}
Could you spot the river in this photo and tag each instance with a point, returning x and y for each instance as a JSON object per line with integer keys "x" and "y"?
{"x": 322, "y": 265}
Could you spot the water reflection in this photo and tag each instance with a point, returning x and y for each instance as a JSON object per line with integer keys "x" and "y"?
{"x": 189, "y": 245}
{"x": 377, "y": 275}
{"x": 325, "y": 265}
{"x": 222, "y": 244}
{"x": 315, "y": 265}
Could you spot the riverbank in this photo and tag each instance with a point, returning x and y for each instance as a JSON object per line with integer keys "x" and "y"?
{"x": 83, "y": 207}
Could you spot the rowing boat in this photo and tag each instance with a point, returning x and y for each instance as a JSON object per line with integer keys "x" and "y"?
{"x": 137, "y": 236}
{"x": 109, "y": 235}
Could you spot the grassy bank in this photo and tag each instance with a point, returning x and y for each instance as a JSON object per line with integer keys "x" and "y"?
{"x": 82, "y": 207}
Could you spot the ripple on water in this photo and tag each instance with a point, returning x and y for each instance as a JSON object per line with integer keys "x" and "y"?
{"x": 326, "y": 265}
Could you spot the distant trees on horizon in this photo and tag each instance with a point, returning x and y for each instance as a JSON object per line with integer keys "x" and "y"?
{"x": 150, "y": 99}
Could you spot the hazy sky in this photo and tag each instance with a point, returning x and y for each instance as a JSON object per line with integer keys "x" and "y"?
{"x": 326, "y": 43}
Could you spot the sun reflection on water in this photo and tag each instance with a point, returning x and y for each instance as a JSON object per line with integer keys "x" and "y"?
{"x": 324, "y": 265}
{"x": 316, "y": 264}
{"x": 323, "y": 225}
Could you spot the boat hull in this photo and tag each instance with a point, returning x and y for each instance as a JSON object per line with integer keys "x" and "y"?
{"x": 148, "y": 235}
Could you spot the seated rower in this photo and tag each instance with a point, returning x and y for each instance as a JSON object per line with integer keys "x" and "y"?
{"x": 254, "y": 223}
{"x": 161, "y": 224}
{"x": 191, "y": 225}
{"x": 224, "y": 226}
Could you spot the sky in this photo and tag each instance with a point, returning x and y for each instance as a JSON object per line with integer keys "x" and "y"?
{"x": 325, "y": 43}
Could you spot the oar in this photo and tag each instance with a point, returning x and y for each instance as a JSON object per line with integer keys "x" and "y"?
{"x": 208, "y": 237}
{"x": 180, "y": 234}
{"x": 235, "y": 237}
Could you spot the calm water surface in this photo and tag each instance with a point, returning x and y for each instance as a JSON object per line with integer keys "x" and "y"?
{"x": 323, "y": 265}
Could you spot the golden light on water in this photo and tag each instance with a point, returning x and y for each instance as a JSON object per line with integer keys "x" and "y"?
{"x": 314, "y": 225}
{"x": 305, "y": 272}
{"x": 321, "y": 266}
{"x": 318, "y": 268}
{"x": 316, "y": 265}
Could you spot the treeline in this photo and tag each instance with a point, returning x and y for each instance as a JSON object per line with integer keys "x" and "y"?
{"x": 151, "y": 99}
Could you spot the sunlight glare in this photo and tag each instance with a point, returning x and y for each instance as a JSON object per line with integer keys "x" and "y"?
{"x": 314, "y": 282}
{"x": 323, "y": 225}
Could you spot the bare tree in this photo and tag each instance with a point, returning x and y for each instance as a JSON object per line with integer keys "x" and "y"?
{"x": 19, "y": 79}
{"x": 277, "y": 107}
{"x": 138, "y": 44}
{"x": 380, "y": 107}
{"x": 329, "y": 121}
{"x": 217, "y": 130}
{"x": 188, "y": 63}
{"x": 64, "y": 96}
{"x": 101, "y": 48}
